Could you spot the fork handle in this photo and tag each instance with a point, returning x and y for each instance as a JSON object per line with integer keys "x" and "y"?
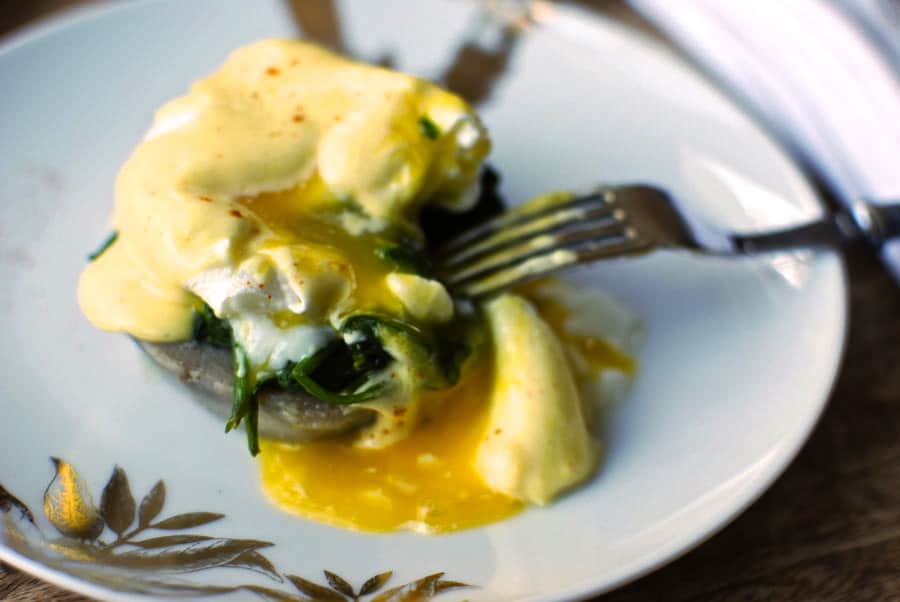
{"x": 879, "y": 222}
{"x": 863, "y": 222}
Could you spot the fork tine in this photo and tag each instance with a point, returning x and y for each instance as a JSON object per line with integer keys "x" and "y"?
{"x": 546, "y": 264}
{"x": 530, "y": 210}
{"x": 552, "y": 233}
{"x": 555, "y": 221}
{"x": 523, "y": 248}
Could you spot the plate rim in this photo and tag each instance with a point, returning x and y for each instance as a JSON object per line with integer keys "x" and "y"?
{"x": 73, "y": 17}
{"x": 775, "y": 469}
{"x": 774, "y": 472}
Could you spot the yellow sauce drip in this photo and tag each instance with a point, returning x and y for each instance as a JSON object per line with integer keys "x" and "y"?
{"x": 426, "y": 482}
{"x": 597, "y": 352}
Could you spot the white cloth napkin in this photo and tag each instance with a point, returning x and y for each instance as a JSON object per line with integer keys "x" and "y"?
{"x": 819, "y": 73}
{"x": 880, "y": 19}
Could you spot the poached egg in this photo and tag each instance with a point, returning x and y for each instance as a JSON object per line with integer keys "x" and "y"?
{"x": 267, "y": 194}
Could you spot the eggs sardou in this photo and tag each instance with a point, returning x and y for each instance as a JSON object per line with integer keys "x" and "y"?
{"x": 272, "y": 246}
{"x": 291, "y": 413}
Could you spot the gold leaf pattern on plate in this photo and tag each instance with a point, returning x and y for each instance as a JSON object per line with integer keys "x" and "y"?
{"x": 254, "y": 561}
{"x": 167, "y": 540}
{"x": 188, "y": 520}
{"x": 8, "y": 502}
{"x": 192, "y": 557}
{"x": 152, "y": 504}
{"x": 68, "y": 504}
{"x": 375, "y": 583}
{"x": 315, "y": 591}
{"x": 117, "y": 504}
{"x": 157, "y": 565}
{"x": 339, "y": 584}
{"x": 268, "y": 593}
{"x": 425, "y": 588}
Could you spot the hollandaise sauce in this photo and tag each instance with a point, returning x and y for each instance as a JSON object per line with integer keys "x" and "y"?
{"x": 428, "y": 481}
{"x": 273, "y": 211}
{"x": 425, "y": 482}
{"x": 217, "y": 189}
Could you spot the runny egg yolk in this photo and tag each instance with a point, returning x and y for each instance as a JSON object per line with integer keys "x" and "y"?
{"x": 288, "y": 212}
{"x": 426, "y": 482}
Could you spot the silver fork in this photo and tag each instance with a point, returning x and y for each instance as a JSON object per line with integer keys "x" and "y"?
{"x": 556, "y": 232}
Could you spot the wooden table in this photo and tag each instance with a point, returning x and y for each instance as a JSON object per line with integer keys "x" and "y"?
{"x": 828, "y": 530}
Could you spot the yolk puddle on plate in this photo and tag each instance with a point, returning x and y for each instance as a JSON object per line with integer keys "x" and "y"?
{"x": 597, "y": 352}
{"x": 426, "y": 482}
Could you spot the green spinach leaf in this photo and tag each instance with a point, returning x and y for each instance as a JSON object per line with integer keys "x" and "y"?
{"x": 244, "y": 403}
{"x": 429, "y": 128}
{"x": 209, "y": 328}
{"x": 405, "y": 259}
{"x": 103, "y": 247}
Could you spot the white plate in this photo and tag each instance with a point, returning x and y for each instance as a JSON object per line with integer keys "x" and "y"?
{"x": 735, "y": 369}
